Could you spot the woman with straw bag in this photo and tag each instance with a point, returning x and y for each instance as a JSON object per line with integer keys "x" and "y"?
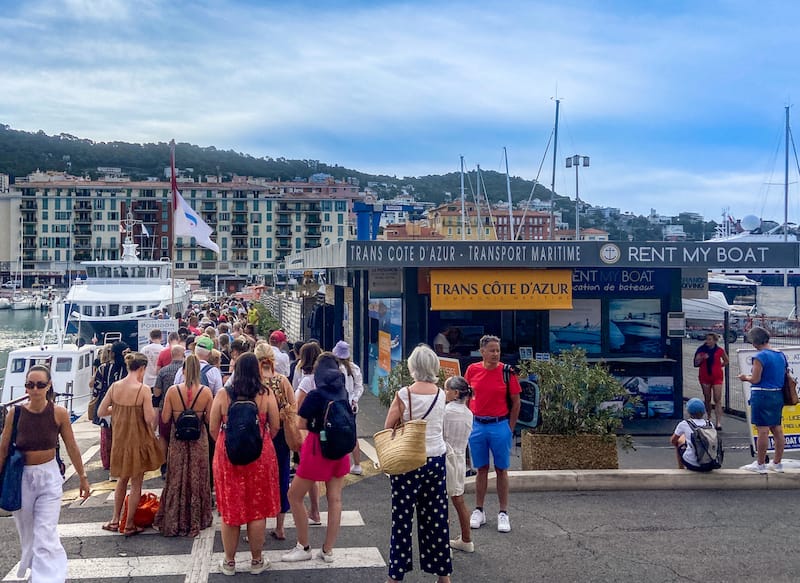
{"x": 424, "y": 488}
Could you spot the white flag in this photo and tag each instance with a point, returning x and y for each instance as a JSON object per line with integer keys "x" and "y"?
{"x": 145, "y": 232}
{"x": 186, "y": 222}
{"x": 189, "y": 224}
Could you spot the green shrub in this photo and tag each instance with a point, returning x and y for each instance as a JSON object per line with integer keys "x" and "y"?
{"x": 577, "y": 397}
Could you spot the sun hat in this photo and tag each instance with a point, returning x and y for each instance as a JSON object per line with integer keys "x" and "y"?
{"x": 695, "y": 406}
{"x": 204, "y": 342}
{"x": 277, "y": 336}
{"x": 341, "y": 350}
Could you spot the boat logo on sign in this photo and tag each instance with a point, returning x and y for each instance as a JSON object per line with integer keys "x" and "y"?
{"x": 610, "y": 254}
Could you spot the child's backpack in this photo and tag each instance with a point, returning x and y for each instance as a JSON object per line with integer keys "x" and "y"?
{"x": 338, "y": 436}
{"x": 707, "y": 446}
{"x": 188, "y": 424}
{"x": 243, "y": 432}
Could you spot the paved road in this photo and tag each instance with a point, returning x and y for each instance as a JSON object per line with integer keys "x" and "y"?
{"x": 558, "y": 536}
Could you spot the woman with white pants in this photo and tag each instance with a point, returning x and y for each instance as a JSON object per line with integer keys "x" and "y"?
{"x": 39, "y": 424}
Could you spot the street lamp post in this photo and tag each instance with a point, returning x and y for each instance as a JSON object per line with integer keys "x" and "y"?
{"x": 576, "y": 161}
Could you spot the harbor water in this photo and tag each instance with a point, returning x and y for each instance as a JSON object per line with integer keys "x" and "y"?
{"x": 19, "y": 328}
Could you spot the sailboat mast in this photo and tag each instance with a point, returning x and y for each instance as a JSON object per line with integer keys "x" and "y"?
{"x": 478, "y": 200}
{"x": 463, "y": 215}
{"x": 786, "y": 184}
{"x": 553, "y": 181}
{"x": 511, "y": 236}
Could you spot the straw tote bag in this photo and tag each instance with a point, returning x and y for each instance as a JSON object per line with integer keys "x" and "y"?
{"x": 401, "y": 449}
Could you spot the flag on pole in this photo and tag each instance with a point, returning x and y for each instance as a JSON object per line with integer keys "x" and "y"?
{"x": 186, "y": 222}
{"x": 145, "y": 232}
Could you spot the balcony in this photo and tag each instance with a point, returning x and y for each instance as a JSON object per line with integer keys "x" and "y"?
{"x": 313, "y": 220}
{"x": 239, "y": 231}
{"x": 284, "y": 232}
{"x": 82, "y": 205}
{"x": 284, "y": 220}
{"x": 83, "y": 217}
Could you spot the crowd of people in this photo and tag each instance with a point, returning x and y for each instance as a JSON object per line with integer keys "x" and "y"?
{"x": 181, "y": 408}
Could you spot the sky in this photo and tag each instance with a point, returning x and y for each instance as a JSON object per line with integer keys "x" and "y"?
{"x": 679, "y": 104}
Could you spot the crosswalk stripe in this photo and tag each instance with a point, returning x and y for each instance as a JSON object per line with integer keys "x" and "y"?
{"x": 121, "y": 567}
{"x": 107, "y": 497}
{"x": 202, "y": 547}
{"x": 94, "y": 529}
{"x": 367, "y": 449}
{"x": 87, "y": 455}
{"x": 345, "y": 558}
{"x": 170, "y": 565}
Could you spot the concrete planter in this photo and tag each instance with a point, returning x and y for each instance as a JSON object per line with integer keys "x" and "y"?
{"x": 568, "y": 452}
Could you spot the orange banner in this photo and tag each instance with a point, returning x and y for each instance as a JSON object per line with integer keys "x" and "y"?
{"x": 450, "y": 366}
{"x": 501, "y": 289}
{"x": 384, "y": 350}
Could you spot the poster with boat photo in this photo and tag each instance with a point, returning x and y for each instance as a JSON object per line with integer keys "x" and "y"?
{"x": 656, "y": 395}
{"x": 577, "y": 328}
{"x": 635, "y": 325}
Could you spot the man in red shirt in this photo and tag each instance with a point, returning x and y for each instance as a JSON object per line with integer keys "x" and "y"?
{"x": 495, "y": 406}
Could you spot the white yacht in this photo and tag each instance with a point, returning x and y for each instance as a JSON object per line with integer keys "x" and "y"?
{"x": 116, "y": 294}
{"x": 70, "y": 367}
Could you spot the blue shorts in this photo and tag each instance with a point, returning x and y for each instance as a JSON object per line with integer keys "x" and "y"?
{"x": 766, "y": 407}
{"x": 494, "y": 437}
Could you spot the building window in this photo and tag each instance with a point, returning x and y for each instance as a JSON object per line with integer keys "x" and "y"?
{"x": 164, "y": 242}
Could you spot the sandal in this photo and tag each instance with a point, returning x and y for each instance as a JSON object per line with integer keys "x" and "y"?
{"x": 128, "y": 532}
{"x": 111, "y": 526}
{"x": 274, "y": 535}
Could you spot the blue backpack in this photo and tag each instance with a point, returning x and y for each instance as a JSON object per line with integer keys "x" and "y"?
{"x": 338, "y": 436}
{"x": 244, "y": 436}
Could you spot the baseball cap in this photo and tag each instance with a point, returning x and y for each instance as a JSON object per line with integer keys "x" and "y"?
{"x": 695, "y": 406}
{"x": 277, "y": 336}
{"x": 204, "y": 342}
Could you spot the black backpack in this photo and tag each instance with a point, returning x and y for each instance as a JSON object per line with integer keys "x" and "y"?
{"x": 243, "y": 433}
{"x": 707, "y": 446}
{"x": 188, "y": 424}
{"x": 338, "y": 436}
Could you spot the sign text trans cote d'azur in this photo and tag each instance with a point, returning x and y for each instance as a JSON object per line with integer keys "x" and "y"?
{"x": 364, "y": 254}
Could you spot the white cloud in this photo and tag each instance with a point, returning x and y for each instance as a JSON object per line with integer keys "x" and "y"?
{"x": 664, "y": 100}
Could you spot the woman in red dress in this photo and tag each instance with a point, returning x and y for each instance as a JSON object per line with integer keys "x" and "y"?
{"x": 710, "y": 360}
{"x": 247, "y": 494}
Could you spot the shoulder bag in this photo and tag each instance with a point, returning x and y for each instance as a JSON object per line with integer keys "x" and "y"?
{"x": 401, "y": 449}
{"x": 789, "y": 387}
{"x": 11, "y": 477}
{"x": 288, "y": 414}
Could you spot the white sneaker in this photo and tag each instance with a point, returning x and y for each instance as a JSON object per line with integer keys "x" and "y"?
{"x": 776, "y": 467}
{"x": 227, "y": 568}
{"x": 756, "y": 467}
{"x": 323, "y": 556}
{"x": 460, "y": 545}
{"x": 477, "y": 519}
{"x": 503, "y": 522}
{"x": 297, "y": 554}
{"x": 356, "y": 470}
{"x": 258, "y": 567}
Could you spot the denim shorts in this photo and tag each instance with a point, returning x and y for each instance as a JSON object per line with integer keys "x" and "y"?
{"x": 494, "y": 437}
{"x": 766, "y": 407}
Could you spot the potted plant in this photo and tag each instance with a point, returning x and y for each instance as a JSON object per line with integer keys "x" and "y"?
{"x": 397, "y": 378}
{"x": 582, "y": 407}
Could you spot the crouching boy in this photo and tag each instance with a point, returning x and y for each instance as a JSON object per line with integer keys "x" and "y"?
{"x": 697, "y": 444}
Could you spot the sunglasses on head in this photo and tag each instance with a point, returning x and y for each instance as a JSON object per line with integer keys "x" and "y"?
{"x": 37, "y": 384}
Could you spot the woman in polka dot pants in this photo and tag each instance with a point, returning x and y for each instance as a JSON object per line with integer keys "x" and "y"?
{"x": 423, "y": 489}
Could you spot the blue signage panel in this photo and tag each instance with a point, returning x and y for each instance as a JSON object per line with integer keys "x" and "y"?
{"x": 596, "y": 282}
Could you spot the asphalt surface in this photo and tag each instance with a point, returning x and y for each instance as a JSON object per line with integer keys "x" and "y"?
{"x": 637, "y": 536}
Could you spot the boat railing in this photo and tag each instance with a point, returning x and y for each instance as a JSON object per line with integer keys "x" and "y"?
{"x": 64, "y": 399}
{"x": 128, "y": 280}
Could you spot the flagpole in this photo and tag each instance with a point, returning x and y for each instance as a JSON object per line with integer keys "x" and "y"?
{"x": 172, "y": 225}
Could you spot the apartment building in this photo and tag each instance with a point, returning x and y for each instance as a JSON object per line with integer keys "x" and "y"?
{"x": 497, "y": 224}
{"x": 55, "y": 222}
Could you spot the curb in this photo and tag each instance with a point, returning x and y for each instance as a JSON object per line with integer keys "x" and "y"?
{"x": 598, "y": 480}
